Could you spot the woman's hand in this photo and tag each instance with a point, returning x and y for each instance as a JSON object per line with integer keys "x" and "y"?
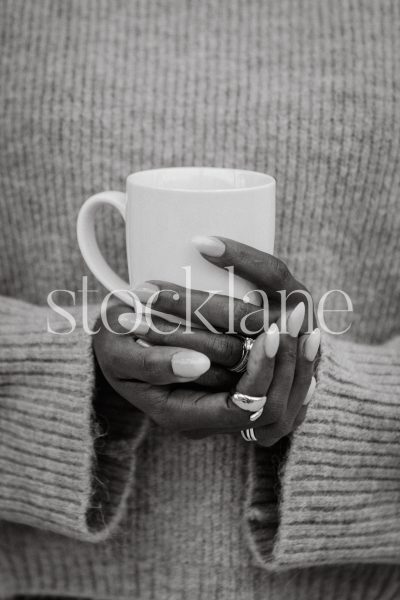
{"x": 149, "y": 376}
{"x": 268, "y": 274}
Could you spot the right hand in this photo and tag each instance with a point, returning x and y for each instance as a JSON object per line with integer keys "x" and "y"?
{"x": 149, "y": 378}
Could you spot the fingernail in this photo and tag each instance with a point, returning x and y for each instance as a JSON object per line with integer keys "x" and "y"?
{"x": 144, "y": 291}
{"x": 190, "y": 364}
{"x": 127, "y": 320}
{"x": 310, "y": 392}
{"x": 134, "y": 323}
{"x": 256, "y": 415}
{"x": 296, "y": 319}
{"x": 210, "y": 246}
{"x": 311, "y": 344}
{"x": 272, "y": 341}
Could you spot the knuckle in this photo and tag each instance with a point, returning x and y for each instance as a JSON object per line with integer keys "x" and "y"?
{"x": 272, "y": 441}
{"x": 288, "y": 349}
{"x": 223, "y": 347}
{"x": 217, "y": 345}
{"x": 162, "y": 331}
{"x": 116, "y": 310}
{"x": 112, "y": 313}
{"x": 149, "y": 363}
{"x": 173, "y": 416}
{"x": 114, "y": 364}
{"x": 229, "y": 415}
{"x": 217, "y": 378}
{"x": 281, "y": 272}
{"x": 266, "y": 437}
{"x": 164, "y": 419}
{"x": 159, "y": 409}
{"x": 304, "y": 379}
{"x": 280, "y": 430}
{"x": 108, "y": 353}
{"x": 276, "y": 408}
{"x": 267, "y": 441}
{"x": 240, "y": 311}
{"x": 169, "y": 299}
{"x": 159, "y": 325}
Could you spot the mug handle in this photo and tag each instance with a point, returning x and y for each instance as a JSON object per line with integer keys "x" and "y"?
{"x": 90, "y": 249}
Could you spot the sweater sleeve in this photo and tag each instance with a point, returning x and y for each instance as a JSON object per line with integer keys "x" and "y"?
{"x": 337, "y": 493}
{"x": 67, "y": 442}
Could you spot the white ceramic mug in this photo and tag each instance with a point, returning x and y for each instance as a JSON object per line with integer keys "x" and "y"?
{"x": 165, "y": 208}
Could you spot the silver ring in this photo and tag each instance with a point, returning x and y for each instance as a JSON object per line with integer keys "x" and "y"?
{"x": 251, "y": 403}
{"x": 241, "y": 365}
{"x": 256, "y": 415}
{"x": 248, "y": 435}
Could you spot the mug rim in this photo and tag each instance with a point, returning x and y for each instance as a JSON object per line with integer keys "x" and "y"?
{"x": 132, "y": 178}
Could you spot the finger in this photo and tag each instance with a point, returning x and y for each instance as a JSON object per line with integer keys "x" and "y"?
{"x": 156, "y": 364}
{"x": 211, "y": 311}
{"x": 134, "y": 359}
{"x": 285, "y": 365}
{"x": 259, "y": 370}
{"x": 217, "y": 378}
{"x": 128, "y": 364}
{"x": 268, "y": 272}
{"x": 199, "y": 434}
{"x": 221, "y": 349}
{"x": 270, "y": 435}
{"x": 300, "y": 394}
{"x": 140, "y": 376}
{"x": 301, "y": 415}
{"x": 188, "y": 409}
{"x": 184, "y": 408}
{"x": 307, "y": 352}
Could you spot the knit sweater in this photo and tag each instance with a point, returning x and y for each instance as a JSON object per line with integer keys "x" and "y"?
{"x": 95, "y": 501}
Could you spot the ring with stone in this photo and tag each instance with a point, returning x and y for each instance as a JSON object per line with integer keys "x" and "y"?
{"x": 241, "y": 365}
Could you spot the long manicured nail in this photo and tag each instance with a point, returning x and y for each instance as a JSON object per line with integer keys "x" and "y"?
{"x": 311, "y": 344}
{"x": 310, "y": 392}
{"x": 210, "y": 246}
{"x": 272, "y": 341}
{"x": 190, "y": 363}
{"x": 145, "y": 291}
{"x": 295, "y": 320}
{"x": 134, "y": 323}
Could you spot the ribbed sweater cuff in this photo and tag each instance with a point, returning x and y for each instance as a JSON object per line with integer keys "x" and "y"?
{"x": 63, "y": 466}
{"x": 339, "y": 487}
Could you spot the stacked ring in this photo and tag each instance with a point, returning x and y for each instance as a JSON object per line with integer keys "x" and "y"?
{"x": 248, "y": 435}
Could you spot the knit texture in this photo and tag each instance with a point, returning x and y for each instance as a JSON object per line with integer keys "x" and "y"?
{"x": 340, "y": 495}
{"x": 62, "y": 468}
{"x": 93, "y": 504}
